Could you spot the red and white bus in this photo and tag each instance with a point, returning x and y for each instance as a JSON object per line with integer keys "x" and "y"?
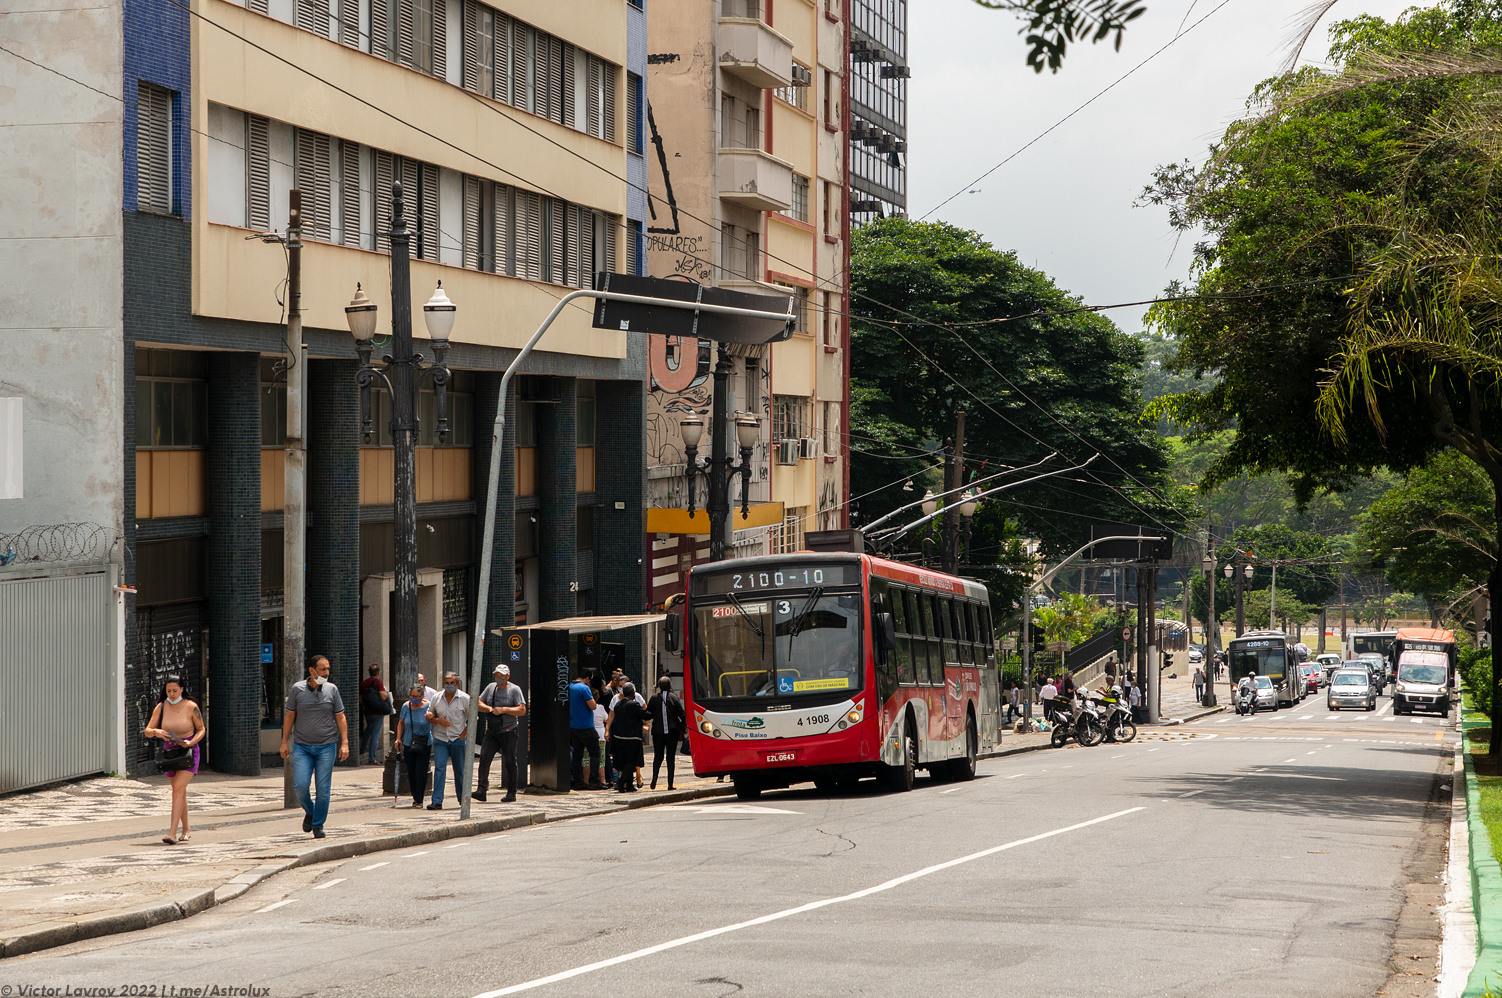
{"x": 835, "y": 666}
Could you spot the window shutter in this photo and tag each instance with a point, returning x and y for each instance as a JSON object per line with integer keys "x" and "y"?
{"x": 259, "y": 6}
{"x": 313, "y": 15}
{"x": 607, "y": 71}
{"x": 153, "y": 149}
{"x": 502, "y": 58}
{"x": 380, "y": 29}
{"x": 556, "y": 240}
{"x": 567, "y": 94}
{"x": 555, "y": 78}
{"x": 313, "y": 178}
{"x": 523, "y": 65}
{"x": 385, "y": 176}
{"x": 428, "y": 206}
{"x": 528, "y": 235}
{"x": 633, "y": 112}
{"x": 471, "y": 46}
{"x": 592, "y": 123}
{"x": 470, "y": 238}
{"x": 440, "y": 39}
{"x": 571, "y": 245}
{"x": 258, "y": 170}
{"x": 349, "y": 23}
{"x": 349, "y": 194}
{"x": 612, "y": 226}
{"x": 404, "y": 32}
{"x": 505, "y": 231}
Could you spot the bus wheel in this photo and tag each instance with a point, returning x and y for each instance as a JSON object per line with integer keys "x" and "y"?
{"x": 900, "y": 779}
{"x": 746, "y": 787}
{"x": 963, "y": 768}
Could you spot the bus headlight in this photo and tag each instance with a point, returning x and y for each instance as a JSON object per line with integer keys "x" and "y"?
{"x": 853, "y": 717}
{"x": 706, "y": 727}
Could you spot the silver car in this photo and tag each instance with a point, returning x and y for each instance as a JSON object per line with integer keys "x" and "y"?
{"x": 1351, "y": 688}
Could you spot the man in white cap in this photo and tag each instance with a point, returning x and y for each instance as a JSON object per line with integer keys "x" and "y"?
{"x": 504, "y": 702}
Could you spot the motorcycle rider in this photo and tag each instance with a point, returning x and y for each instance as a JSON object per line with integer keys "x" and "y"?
{"x": 1248, "y": 686}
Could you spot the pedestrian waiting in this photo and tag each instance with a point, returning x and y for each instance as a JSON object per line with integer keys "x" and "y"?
{"x": 414, "y": 733}
{"x": 504, "y": 702}
{"x": 450, "y": 717}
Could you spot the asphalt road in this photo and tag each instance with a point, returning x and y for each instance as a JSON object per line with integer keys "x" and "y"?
{"x": 1235, "y": 856}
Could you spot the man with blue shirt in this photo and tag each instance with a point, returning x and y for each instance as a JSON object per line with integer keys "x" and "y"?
{"x": 581, "y": 735}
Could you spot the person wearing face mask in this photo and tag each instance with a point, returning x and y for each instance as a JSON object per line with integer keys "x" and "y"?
{"x": 313, "y": 725}
{"x": 177, "y": 721}
{"x": 414, "y": 733}
{"x": 504, "y": 702}
{"x": 449, "y": 713}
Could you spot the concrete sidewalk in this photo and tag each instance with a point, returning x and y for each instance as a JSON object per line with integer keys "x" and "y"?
{"x": 86, "y": 859}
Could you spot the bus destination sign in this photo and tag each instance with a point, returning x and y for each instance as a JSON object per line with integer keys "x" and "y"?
{"x": 788, "y": 576}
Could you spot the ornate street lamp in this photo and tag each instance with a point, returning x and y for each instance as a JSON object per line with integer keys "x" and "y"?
{"x": 720, "y": 473}
{"x": 401, "y": 373}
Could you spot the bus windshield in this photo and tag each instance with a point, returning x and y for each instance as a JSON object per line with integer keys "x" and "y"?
{"x": 776, "y": 644}
{"x": 1265, "y": 658}
{"x": 1371, "y": 644}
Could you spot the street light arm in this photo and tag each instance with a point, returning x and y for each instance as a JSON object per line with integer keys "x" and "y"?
{"x": 913, "y": 505}
{"x": 891, "y": 535}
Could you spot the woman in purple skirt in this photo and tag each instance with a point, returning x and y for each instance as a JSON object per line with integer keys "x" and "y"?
{"x": 177, "y": 721}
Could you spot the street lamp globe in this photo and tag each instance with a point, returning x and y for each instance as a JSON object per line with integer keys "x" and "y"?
{"x": 360, "y": 313}
{"x": 1230, "y": 571}
{"x": 438, "y": 313}
{"x": 1247, "y": 570}
{"x": 747, "y": 429}
{"x": 968, "y": 504}
{"x": 692, "y": 429}
{"x": 930, "y": 504}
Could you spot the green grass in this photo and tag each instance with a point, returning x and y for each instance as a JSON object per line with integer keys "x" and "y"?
{"x": 1478, "y": 733}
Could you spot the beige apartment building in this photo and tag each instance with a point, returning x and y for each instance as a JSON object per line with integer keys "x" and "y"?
{"x": 748, "y": 160}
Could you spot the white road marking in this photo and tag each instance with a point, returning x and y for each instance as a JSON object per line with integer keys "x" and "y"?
{"x": 1310, "y": 752}
{"x": 1417, "y": 720}
{"x": 1015, "y": 775}
{"x": 1304, "y": 717}
{"x": 1287, "y": 761}
{"x": 789, "y": 912}
{"x": 1122, "y": 755}
{"x": 1389, "y": 717}
{"x": 330, "y": 883}
{"x": 414, "y": 855}
{"x": 457, "y": 845}
{"x": 274, "y": 906}
{"x": 1302, "y": 776}
{"x": 375, "y": 866}
{"x": 1191, "y": 793}
{"x": 1154, "y": 749}
{"x": 951, "y": 790}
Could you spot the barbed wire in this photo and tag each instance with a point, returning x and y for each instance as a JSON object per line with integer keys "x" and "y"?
{"x": 51, "y": 543}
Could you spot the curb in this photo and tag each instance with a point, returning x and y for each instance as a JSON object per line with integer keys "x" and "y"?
{"x": 1486, "y": 886}
{"x": 47, "y": 935}
{"x": 1457, "y": 947}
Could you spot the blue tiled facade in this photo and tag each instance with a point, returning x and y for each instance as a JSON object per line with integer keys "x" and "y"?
{"x": 158, "y": 51}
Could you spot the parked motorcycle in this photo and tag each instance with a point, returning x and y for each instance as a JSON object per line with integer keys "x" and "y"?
{"x": 1117, "y": 719}
{"x": 1076, "y": 719}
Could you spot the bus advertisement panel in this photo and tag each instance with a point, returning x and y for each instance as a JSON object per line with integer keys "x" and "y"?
{"x": 800, "y": 667}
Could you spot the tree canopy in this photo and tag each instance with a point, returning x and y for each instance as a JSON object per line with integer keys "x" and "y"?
{"x": 1053, "y": 24}
{"x": 1435, "y": 528}
{"x": 946, "y": 322}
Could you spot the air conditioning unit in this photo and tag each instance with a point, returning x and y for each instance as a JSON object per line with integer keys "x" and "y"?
{"x": 802, "y": 76}
{"x": 896, "y": 73}
{"x": 808, "y": 448}
{"x": 787, "y": 451}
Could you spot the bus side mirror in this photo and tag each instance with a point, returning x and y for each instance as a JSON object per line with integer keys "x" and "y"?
{"x": 673, "y": 625}
{"x": 886, "y": 629}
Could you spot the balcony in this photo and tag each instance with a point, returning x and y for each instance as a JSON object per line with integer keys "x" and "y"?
{"x": 753, "y": 52}
{"x": 755, "y": 180}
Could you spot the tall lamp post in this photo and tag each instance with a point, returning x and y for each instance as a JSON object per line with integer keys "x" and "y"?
{"x": 721, "y": 473}
{"x": 1212, "y": 625}
{"x": 968, "y": 502}
{"x": 1241, "y": 577}
{"x": 402, "y": 373}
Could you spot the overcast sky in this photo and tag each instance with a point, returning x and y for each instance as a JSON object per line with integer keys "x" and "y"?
{"x": 1065, "y": 204}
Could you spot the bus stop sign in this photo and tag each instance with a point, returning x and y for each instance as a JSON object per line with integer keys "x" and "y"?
{"x": 666, "y": 321}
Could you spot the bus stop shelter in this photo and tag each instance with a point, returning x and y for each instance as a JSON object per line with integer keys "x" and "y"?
{"x": 544, "y": 658}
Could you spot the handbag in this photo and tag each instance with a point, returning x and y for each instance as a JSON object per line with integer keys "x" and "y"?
{"x": 374, "y": 703}
{"x": 171, "y": 758}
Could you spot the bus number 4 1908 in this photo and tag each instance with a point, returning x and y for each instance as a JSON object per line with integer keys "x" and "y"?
{"x": 815, "y": 719}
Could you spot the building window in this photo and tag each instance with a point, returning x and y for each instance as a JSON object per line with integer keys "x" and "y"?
{"x": 584, "y": 414}
{"x": 791, "y": 415}
{"x": 171, "y": 400}
{"x": 831, "y": 99}
{"x": 411, "y": 32}
{"x": 831, "y": 428}
{"x": 794, "y": 94}
{"x": 740, "y": 124}
{"x": 832, "y": 207}
{"x": 831, "y": 318}
{"x": 635, "y": 250}
{"x": 461, "y": 417}
{"x": 153, "y": 149}
{"x": 787, "y": 536}
{"x": 799, "y": 208}
{"x": 740, "y": 253}
{"x": 273, "y": 402}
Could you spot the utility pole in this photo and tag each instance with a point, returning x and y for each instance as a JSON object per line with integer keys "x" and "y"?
{"x": 1212, "y": 622}
{"x": 294, "y": 504}
{"x": 954, "y": 474}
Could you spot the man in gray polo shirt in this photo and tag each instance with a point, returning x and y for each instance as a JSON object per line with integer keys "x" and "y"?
{"x": 313, "y": 721}
{"x": 504, "y": 702}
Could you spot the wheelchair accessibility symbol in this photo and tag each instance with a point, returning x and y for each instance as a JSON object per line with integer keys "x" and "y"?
{"x": 784, "y": 685}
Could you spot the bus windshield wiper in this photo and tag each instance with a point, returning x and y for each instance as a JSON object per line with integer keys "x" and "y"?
{"x": 808, "y": 605}
{"x": 750, "y": 620}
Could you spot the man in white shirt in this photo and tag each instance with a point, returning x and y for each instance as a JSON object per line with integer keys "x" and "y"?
{"x": 449, "y": 714}
{"x": 1048, "y": 694}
